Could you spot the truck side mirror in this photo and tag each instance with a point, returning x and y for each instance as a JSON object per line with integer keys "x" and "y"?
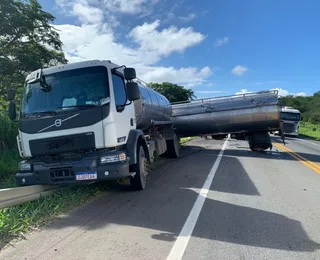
{"x": 133, "y": 91}
{"x": 129, "y": 73}
{"x": 11, "y": 94}
{"x": 12, "y": 113}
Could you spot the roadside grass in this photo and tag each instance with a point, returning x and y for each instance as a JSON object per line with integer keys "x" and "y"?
{"x": 186, "y": 139}
{"x": 9, "y": 160}
{"x": 310, "y": 130}
{"x": 17, "y": 220}
{"x": 9, "y": 156}
{"x": 8, "y": 133}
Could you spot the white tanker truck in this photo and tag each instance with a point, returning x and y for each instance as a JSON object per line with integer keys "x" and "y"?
{"x": 94, "y": 121}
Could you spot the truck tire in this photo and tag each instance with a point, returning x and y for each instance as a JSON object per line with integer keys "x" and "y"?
{"x": 259, "y": 141}
{"x": 139, "y": 180}
{"x": 219, "y": 137}
{"x": 173, "y": 147}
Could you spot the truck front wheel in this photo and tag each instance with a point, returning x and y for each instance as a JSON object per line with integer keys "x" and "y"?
{"x": 139, "y": 180}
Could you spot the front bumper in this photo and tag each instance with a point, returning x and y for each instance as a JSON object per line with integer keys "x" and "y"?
{"x": 64, "y": 171}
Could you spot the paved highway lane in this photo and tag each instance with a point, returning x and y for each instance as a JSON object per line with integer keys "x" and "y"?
{"x": 304, "y": 149}
{"x": 258, "y": 206}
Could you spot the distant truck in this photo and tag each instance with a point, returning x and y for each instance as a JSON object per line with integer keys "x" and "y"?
{"x": 290, "y": 118}
{"x": 90, "y": 121}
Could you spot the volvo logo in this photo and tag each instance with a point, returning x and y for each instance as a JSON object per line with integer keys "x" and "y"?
{"x": 58, "y": 122}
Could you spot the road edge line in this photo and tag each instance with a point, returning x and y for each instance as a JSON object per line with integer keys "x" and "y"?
{"x": 306, "y": 141}
{"x": 182, "y": 241}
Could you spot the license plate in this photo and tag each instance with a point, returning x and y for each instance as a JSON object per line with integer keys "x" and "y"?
{"x": 80, "y": 176}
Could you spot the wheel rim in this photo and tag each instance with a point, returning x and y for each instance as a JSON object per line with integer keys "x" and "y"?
{"x": 143, "y": 167}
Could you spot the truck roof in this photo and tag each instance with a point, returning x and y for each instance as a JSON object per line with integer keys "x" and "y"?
{"x": 290, "y": 109}
{"x": 71, "y": 66}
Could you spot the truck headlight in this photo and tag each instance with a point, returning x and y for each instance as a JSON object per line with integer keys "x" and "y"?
{"x": 113, "y": 158}
{"x": 24, "y": 166}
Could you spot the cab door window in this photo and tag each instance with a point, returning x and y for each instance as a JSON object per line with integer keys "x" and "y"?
{"x": 119, "y": 90}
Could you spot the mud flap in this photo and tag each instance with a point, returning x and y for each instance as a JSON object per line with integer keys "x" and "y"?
{"x": 282, "y": 133}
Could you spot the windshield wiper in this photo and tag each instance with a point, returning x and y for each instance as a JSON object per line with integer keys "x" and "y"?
{"x": 40, "y": 113}
{"x": 78, "y": 106}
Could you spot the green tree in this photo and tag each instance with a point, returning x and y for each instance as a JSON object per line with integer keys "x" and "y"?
{"x": 309, "y": 106}
{"x": 27, "y": 42}
{"x": 173, "y": 92}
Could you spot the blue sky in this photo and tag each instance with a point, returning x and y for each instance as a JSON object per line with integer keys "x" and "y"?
{"x": 214, "y": 47}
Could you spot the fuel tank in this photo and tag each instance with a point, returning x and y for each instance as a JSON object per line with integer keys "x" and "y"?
{"x": 152, "y": 106}
{"x": 250, "y": 112}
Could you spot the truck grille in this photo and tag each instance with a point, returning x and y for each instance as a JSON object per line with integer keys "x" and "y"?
{"x": 62, "y": 174}
{"x": 288, "y": 127}
{"x": 62, "y": 144}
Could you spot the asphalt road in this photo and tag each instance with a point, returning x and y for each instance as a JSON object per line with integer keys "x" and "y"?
{"x": 219, "y": 201}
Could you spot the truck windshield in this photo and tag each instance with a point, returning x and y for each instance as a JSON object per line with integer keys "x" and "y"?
{"x": 290, "y": 116}
{"x": 78, "y": 88}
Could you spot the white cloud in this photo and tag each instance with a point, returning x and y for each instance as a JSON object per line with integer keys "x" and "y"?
{"x": 126, "y": 6}
{"x": 187, "y": 18}
{"x": 239, "y": 70}
{"x": 88, "y": 42}
{"x": 189, "y": 77}
{"x": 87, "y": 14}
{"x": 221, "y": 41}
{"x": 284, "y": 92}
{"x": 120, "y": 6}
{"x": 210, "y": 91}
{"x": 281, "y": 92}
{"x": 243, "y": 91}
{"x": 166, "y": 41}
{"x": 95, "y": 42}
{"x": 95, "y": 38}
{"x": 93, "y": 11}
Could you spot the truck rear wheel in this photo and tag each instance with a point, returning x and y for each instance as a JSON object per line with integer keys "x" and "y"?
{"x": 139, "y": 180}
{"x": 218, "y": 137}
{"x": 173, "y": 147}
{"x": 259, "y": 141}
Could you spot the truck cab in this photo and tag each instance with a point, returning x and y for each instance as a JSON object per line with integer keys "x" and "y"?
{"x": 82, "y": 122}
{"x": 290, "y": 118}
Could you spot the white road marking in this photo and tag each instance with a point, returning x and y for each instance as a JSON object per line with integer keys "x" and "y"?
{"x": 181, "y": 243}
{"x": 302, "y": 140}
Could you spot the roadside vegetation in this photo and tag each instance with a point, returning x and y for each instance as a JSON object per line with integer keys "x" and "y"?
{"x": 9, "y": 156}
{"x": 186, "y": 139}
{"x": 309, "y": 106}
{"x": 310, "y": 130}
{"x": 17, "y": 220}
